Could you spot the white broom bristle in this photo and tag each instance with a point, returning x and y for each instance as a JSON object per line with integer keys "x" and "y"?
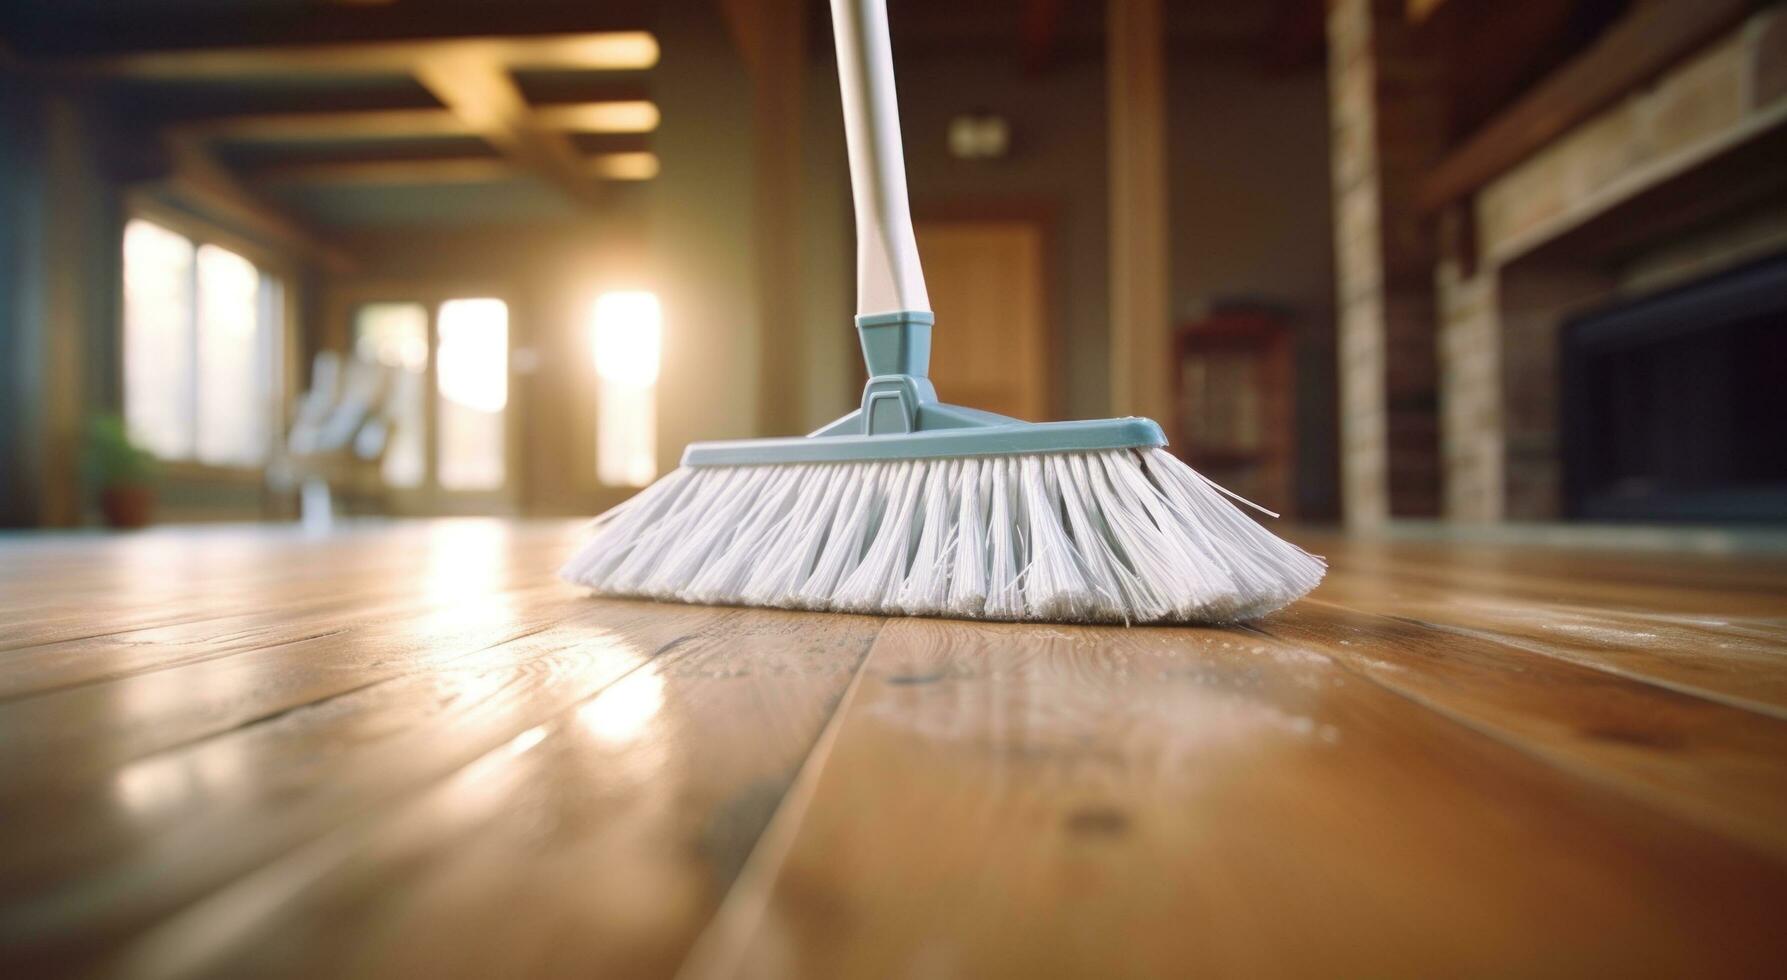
{"x": 1118, "y": 536}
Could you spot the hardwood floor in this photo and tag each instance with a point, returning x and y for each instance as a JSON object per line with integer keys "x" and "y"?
{"x": 406, "y": 750}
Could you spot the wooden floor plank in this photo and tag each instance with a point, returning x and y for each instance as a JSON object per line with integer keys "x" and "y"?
{"x": 1513, "y": 596}
{"x": 93, "y": 861}
{"x": 46, "y": 667}
{"x": 72, "y": 734}
{"x": 1736, "y": 664}
{"x": 103, "y": 724}
{"x": 170, "y": 577}
{"x": 1712, "y": 763}
{"x": 597, "y": 843}
{"x": 1708, "y": 585}
{"x": 1028, "y": 801}
{"x": 404, "y": 748}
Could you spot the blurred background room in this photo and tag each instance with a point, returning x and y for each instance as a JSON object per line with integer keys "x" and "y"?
{"x": 1369, "y": 261}
{"x": 365, "y": 307}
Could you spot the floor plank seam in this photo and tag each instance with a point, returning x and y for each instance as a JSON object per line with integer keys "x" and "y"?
{"x": 201, "y": 658}
{"x": 314, "y": 607}
{"x": 716, "y": 950}
{"x": 296, "y": 709}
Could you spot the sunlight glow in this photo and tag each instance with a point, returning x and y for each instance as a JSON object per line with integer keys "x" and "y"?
{"x": 474, "y": 354}
{"x": 158, "y": 339}
{"x": 202, "y": 331}
{"x": 472, "y": 375}
{"x": 626, "y": 339}
{"x": 233, "y": 424}
{"x": 624, "y": 712}
{"x": 466, "y": 560}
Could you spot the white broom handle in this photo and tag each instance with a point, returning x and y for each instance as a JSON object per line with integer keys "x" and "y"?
{"x": 888, "y": 277}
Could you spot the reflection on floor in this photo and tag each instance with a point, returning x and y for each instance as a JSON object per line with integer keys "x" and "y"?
{"x": 408, "y": 750}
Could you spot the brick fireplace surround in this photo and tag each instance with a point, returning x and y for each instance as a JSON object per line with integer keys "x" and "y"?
{"x": 1448, "y": 355}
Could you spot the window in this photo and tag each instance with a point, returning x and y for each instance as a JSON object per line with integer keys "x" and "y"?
{"x": 626, "y": 339}
{"x": 472, "y": 379}
{"x": 202, "y": 327}
{"x": 158, "y": 339}
{"x": 396, "y": 335}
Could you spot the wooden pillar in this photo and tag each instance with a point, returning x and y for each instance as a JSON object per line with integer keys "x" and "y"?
{"x": 771, "y": 34}
{"x": 1468, "y": 297}
{"x": 64, "y": 321}
{"x": 21, "y": 201}
{"x": 1140, "y": 321}
{"x": 61, "y": 322}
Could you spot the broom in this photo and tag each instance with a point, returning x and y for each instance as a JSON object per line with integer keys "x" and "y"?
{"x": 911, "y": 506}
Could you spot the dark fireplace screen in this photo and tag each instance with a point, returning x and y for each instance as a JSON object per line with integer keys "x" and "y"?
{"x": 1675, "y": 406}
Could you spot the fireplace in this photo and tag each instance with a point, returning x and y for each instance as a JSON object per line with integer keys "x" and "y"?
{"x": 1673, "y": 407}
{"x": 1611, "y": 297}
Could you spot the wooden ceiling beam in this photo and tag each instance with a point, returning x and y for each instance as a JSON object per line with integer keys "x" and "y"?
{"x": 472, "y": 77}
{"x": 308, "y": 126}
{"x": 622, "y": 166}
{"x": 481, "y": 92}
{"x": 438, "y": 170}
{"x": 630, "y": 116}
{"x": 60, "y": 30}
{"x": 603, "y": 51}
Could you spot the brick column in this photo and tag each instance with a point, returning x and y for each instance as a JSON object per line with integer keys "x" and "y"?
{"x": 1388, "y": 117}
{"x": 1470, "y": 356}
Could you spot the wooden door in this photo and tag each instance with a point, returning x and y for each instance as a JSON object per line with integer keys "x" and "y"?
{"x": 990, "y": 349}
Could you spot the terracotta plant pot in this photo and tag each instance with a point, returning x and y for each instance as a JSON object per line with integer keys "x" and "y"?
{"x": 127, "y": 506}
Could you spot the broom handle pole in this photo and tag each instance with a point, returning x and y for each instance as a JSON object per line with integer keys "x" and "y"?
{"x": 888, "y": 277}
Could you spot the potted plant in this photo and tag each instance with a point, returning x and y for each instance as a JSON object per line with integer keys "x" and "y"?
{"x": 123, "y": 471}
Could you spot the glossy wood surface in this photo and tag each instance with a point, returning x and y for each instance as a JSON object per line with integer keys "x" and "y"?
{"x": 406, "y": 750}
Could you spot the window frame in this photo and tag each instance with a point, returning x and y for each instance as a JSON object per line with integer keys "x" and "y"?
{"x": 429, "y": 499}
{"x": 282, "y": 387}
